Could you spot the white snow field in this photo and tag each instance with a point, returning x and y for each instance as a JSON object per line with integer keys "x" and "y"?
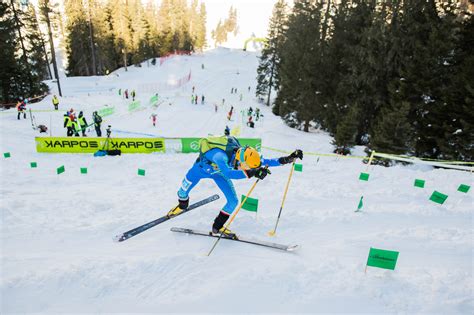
{"x": 58, "y": 256}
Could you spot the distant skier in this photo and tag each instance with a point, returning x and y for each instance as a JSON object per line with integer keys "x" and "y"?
{"x": 21, "y": 107}
{"x": 257, "y": 114}
{"x": 223, "y": 159}
{"x": 192, "y": 99}
{"x": 74, "y": 125}
{"x": 227, "y": 131}
{"x": 82, "y": 123}
{"x": 193, "y": 89}
{"x": 232, "y": 91}
{"x": 196, "y": 99}
{"x": 153, "y": 119}
{"x": 126, "y": 93}
{"x": 68, "y": 124}
{"x": 250, "y": 122}
{"x": 229, "y": 114}
{"x": 250, "y": 111}
{"x": 55, "y": 101}
{"x": 249, "y": 88}
{"x": 215, "y": 107}
{"x": 202, "y": 99}
{"x": 133, "y": 94}
{"x": 97, "y": 122}
{"x": 241, "y": 97}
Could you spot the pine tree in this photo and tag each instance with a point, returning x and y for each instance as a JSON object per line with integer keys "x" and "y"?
{"x": 36, "y": 50}
{"x": 267, "y": 76}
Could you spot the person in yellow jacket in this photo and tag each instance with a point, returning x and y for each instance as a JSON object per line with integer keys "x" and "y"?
{"x": 68, "y": 124}
{"x": 55, "y": 101}
{"x": 82, "y": 123}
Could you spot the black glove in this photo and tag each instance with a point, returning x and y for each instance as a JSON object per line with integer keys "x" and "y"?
{"x": 298, "y": 154}
{"x": 183, "y": 203}
{"x": 260, "y": 172}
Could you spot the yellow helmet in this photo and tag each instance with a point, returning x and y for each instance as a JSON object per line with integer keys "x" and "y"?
{"x": 248, "y": 158}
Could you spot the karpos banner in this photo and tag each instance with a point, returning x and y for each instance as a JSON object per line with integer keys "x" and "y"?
{"x": 91, "y": 145}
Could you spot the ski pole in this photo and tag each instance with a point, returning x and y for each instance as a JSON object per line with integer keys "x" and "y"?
{"x": 235, "y": 214}
{"x": 272, "y": 233}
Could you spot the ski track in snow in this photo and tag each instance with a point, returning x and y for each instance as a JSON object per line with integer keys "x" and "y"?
{"x": 57, "y": 230}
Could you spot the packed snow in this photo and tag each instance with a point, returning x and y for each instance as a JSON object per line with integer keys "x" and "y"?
{"x": 58, "y": 255}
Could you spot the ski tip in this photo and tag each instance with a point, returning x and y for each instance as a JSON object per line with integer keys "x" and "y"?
{"x": 118, "y": 238}
{"x": 292, "y": 248}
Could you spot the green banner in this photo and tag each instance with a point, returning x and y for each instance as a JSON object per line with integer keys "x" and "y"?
{"x": 92, "y": 145}
{"x": 364, "y": 176}
{"x": 154, "y": 100}
{"x": 106, "y": 111}
{"x": 464, "y": 188}
{"x": 250, "y": 204}
{"x": 438, "y": 197}
{"x": 419, "y": 183}
{"x": 381, "y": 258}
{"x": 134, "y": 106}
{"x": 191, "y": 145}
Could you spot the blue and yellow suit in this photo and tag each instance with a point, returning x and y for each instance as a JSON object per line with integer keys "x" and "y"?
{"x": 215, "y": 164}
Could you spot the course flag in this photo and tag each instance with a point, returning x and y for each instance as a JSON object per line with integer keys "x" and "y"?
{"x": 381, "y": 258}
{"x": 298, "y": 167}
{"x": 464, "y": 188}
{"x": 141, "y": 172}
{"x": 33, "y": 164}
{"x": 250, "y": 204}
{"x": 60, "y": 170}
{"x": 83, "y": 170}
{"x": 438, "y": 197}
{"x": 361, "y": 204}
{"x": 364, "y": 176}
{"x": 419, "y": 183}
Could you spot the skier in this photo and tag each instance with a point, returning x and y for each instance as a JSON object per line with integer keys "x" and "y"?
{"x": 250, "y": 123}
{"x": 249, "y": 88}
{"x": 241, "y": 97}
{"x": 192, "y": 99}
{"x": 97, "y": 121}
{"x": 215, "y": 107}
{"x": 153, "y": 119}
{"x": 202, "y": 99}
{"x": 196, "y": 99}
{"x": 133, "y": 95}
{"x": 126, "y": 93}
{"x": 193, "y": 89}
{"x": 68, "y": 124}
{"x": 55, "y": 102}
{"x": 82, "y": 123}
{"x": 229, "y": 115}
{"x": 223, "y": 159}
{"x": 257, "y": 114}
{"x": 21, "y": 107}
{"x": 250, "y": 111}
{"x": 227, "y": 131}
{"x": 231, "y": 90}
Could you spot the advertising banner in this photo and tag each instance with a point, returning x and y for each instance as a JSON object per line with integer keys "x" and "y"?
{"x": 191, "y": 145}
{"x": 134, "y": 106}
{"x": 91, "y": 145}
{"x": 126, "y": 145}
{"x": 106, "y": 111}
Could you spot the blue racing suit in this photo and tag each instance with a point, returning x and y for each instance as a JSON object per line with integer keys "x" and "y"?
{"x": 215, "y": 164}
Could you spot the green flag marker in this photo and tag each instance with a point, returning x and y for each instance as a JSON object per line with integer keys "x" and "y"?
{"x": 464, "y": 188}
{"x": 419, "y": 183}
{"x": 361, "y": 204}
{"x": 438, "y": 197}
{"x": 60, "y": 170}
{"x": 141, "y": 172}
{"x": 83, "y": 170}
{"x": 364, "y": 176}
{"x": 381, "y": 258}
{"x": 250, "y": 204}
{"x": 298, "y": 167}
{"x": 6, "y": 155}
{"x": 33, "y": 164}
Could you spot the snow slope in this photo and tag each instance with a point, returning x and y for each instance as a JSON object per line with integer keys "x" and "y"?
{"x": 57, "y": 254}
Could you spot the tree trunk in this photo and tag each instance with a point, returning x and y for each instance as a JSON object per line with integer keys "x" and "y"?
{"x": 306, "y": 125}
{"x": 45, "y": 11}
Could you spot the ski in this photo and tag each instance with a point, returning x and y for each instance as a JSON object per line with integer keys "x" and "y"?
{"x": 237, "y": 238}
{"x": 142, "y": 228}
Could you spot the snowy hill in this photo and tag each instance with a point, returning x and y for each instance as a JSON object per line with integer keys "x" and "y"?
{"x": 57, "y": 230}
